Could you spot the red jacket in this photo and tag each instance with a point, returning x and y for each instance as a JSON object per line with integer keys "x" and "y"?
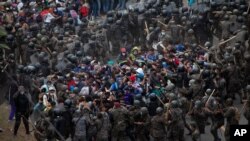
{"x": 71, "y": 83}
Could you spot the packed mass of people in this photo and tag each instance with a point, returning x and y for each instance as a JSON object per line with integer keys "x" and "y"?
{"x": 117, "y": 70}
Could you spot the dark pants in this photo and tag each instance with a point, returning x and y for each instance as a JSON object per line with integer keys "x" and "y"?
{"x": 25, "y": 117}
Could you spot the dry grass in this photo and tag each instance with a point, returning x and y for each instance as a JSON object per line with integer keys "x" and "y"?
{"x": 7, "y": 135}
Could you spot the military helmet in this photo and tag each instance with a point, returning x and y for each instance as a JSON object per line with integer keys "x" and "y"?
{"x": 244, "y": 27}
{"x": 237, "y": 45}
{"x": 152, "y": 97}
{"x": 240, "y": 19}
{"x": 235, "y": 11}
{"x": 54, "y": 53}
{"x": 79, "y": 53}
{"x": 73, "y": 59}
{"x": 43, "y": 31}
{"x": 141, "y": 10}
{"x": 159, "y": 110}
{"x": 69, "y": 55}
{"x": 17, "y": 25}
{"x": 197, "y": 104}
{"x": 138, "y": 97}
{"x": 248, "y": 88}
{"x": 208, "y": 91}
{"x": 208, "y": 44}
{"x": 110, "y": 19}
{"x": 226, "y": 17}
{"x": 70, "y": 20}
{"x": 183, "y": 18}
{"x": 20, "y": 68}
{"x": 190, "y": 31}
{"x": 229, "y": 102}
{"x": 144, "y": 110}
{"x": 172, "y": 96}
{"x": 57, "y": 112}
{"x": 244, "y": 14}
{"x": 10, "y": 38}
{"x": 31, "y": 45}
{"x": 119, "y": 22}
{"x": 137, "y": 103}
{"x": 224, "y": 8}
{"x": 242, "y": 6}
{"x": 67, "y": 103}
{"x": 174, "y": 104}
{"x": 37, "y": 66}
{"x": 60, "y": 37}
{"x": 183, "y": 99}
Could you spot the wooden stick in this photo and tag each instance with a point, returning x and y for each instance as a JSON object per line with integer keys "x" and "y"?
{"x": 162, "y": 23}
{"x": 204, "y": 48}
{"x": 210, "y": 97}
{"x": 160, "y": 99}
{"x": 5, "y": 67}
{"x": 146, "y": 25}
{"x": 243, "y": 108}
{"x": 227, "y": 40}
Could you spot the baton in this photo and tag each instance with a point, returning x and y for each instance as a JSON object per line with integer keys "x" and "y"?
{"x": 210, "y": 97}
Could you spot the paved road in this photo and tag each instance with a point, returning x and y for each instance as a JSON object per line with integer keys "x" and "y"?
{"x": 208, "y": 136}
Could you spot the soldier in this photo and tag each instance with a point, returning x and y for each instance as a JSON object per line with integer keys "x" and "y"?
{"x": 152, "y": 104}
{"x": 247, "y": 105}
{"x": 225, "y": 24}
{"x": 198, "y": 116}
{"x": 103, "y": 126}
{"x": 58, "y": 121}
{"x": 157, "y": 127}
{"x": 120, "y": 122}
{"x": 175, "y": 124}
{"x": 195, "y": 91}
{"x": 213, "y": 108}
{"x": 142, "y": 125}
{"x": 22, "y": 104}
{"x": 185, "y": 105}
{"x": 195, "y": 132}
{"x": 232, "y": 116}
{"x": 81, "y": 124}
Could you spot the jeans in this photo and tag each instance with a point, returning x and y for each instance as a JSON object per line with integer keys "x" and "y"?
{"x": 105, "y": 5}
{"x": 95, "y": 8}
{"x": 12, "y": 111}
{"x": 121, "y": 5}
{"x": 99, "y": 6}
{"x": 111, "y": 4}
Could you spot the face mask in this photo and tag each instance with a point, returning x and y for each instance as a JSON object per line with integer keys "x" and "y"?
{"x": 77, "y": 82}
{"x": 22, "y": 92}
{"x": 123, "y": 54}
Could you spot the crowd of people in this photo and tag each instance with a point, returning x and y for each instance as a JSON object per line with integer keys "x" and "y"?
{"x": 139, "y": 72}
